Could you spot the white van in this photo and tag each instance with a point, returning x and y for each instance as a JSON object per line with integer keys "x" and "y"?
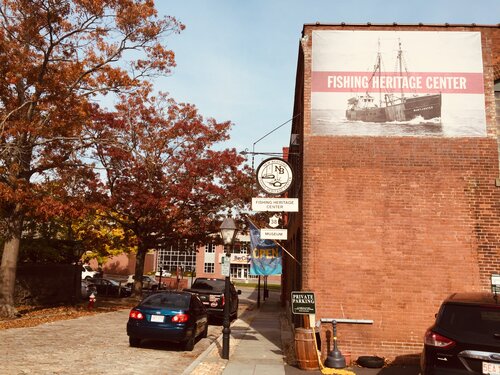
{"x": 88, "y": 272}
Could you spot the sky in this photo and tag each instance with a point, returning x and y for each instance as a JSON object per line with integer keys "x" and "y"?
{"x": 237, "y": 59}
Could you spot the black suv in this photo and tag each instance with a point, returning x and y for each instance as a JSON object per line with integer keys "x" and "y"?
{"x": 211, "y": 293}
{"x": 465, "y": 339}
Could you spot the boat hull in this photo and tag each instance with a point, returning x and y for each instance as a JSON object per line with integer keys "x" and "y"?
{"x": 428, "y": 107}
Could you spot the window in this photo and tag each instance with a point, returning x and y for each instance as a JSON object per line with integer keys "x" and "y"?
{"x": 209, "y": 284}
{"x": 470, "y": 322}
{"x": 241, "y": 248}
{"x": 169, "y": 259}
{"x": 210, "y": 248}
{"x": 209, "y": 267}
{"x": 180, "y": 301}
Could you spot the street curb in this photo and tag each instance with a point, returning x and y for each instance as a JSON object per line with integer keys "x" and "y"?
{"x": 189, "y": 370}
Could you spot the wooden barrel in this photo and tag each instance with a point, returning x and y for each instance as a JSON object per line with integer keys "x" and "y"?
{"x": 305, "y": 350}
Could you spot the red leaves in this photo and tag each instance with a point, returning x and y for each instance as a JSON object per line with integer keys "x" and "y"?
{"x": 172, "y": 180}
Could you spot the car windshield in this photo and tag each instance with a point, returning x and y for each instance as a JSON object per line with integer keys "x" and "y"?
{"x": 167, "y": 300}
{"x": 114, "y": 282}
{"x": 471, "y": 323}
{"x": 208, "y": 284}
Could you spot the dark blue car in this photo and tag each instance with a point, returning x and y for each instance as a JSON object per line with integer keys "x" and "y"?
{"x": 173, "y": 316}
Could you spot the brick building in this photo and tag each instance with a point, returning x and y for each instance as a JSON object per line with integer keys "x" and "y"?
{"x": 394, "y": 217}
{"x": 208, "y": 261}
{"x": 205, "y": 261}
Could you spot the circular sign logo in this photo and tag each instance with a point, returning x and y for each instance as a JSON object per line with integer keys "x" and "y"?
{"x": 274, "y": 176}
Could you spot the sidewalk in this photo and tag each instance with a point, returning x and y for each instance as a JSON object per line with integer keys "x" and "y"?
{"x": 260, "y": 344}
{"x": 254, "y": 348}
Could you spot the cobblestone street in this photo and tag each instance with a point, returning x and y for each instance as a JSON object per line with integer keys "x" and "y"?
{"x": 96, "y": 344}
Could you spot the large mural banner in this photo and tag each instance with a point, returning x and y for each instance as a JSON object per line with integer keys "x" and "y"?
{"x": 397, "y": 83}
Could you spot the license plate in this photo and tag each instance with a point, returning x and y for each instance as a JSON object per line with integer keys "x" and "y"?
{"x": 157, "y": 318}
{"x": 491, "y": 368}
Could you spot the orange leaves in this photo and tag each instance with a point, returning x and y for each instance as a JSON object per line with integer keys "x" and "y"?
{"x": 54, "y": 55}
{"x": 159, "y": 58}
{"x": 90, "y": 6}
{"x": 131, "y": 13}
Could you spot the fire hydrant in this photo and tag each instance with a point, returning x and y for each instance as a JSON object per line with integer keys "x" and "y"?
{"x": 92, "y": 300}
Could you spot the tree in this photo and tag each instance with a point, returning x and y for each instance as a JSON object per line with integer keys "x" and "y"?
{"x": 55, "y": 57}
{"x": 167, "y": 182}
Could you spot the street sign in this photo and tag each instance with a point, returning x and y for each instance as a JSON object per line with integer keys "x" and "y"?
{"x": 275, "y": 204}
{"x": 495, "y": 283}
{"x": 225, "y": 266}
{"x": 303, "y": 303}
{"x": 495, "y": 280}
{"x": 274, "y": 221}
{"x": 273, "y": 234}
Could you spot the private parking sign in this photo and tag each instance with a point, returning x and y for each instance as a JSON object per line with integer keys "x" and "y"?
{"x": 303, "y": 303}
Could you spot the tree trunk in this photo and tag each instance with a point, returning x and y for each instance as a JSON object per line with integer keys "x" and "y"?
{"x": 139, "y": 269}
{"x": 8, "y": 272}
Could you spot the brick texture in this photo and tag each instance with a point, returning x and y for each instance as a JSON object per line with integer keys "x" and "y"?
{"x": 389, "y": 226}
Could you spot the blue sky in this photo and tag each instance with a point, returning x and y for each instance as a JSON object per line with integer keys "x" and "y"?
{"x": 237, "y": 59}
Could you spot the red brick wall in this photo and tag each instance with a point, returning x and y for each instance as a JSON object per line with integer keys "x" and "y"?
{"x": 124, "y": 264}
{"x": 392, "y": 225}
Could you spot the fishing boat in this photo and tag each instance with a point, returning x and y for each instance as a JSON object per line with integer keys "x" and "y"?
{"x": 392, "y": 107}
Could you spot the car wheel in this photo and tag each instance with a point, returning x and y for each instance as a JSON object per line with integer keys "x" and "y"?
{"x": 204, "y": 334}
{"x": 134, "y": 342}
{"x": 370, "y": 361}
{"x": 189, "y": 344}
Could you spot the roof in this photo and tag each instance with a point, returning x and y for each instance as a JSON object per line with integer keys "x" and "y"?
{"x": 403, "y": 24}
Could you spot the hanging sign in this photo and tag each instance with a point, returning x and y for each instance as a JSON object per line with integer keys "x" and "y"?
{"x": 273, "y": 234}
{"x": 274, "y": 176}
{"x": 275, "y": 204}
{"x": 274, "y": 221}
{"x": 265, "y": 255}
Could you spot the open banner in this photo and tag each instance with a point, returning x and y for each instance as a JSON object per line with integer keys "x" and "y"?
{"x": 265, "y": 255}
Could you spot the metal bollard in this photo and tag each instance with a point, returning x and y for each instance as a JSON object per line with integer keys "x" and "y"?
{"x": 335, "y": 358}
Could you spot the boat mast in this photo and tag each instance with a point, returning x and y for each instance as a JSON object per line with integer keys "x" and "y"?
{"x": 379, "y": 62}
{"x": 400, "y": 62}
{"x": 376, "y": 70}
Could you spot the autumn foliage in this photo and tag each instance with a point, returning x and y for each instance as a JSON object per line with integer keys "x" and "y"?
{"x": 147, "y": 166}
